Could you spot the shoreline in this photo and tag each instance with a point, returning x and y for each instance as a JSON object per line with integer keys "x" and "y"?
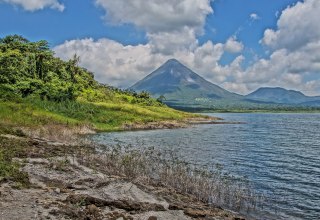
{"x": 70, "y": 181}
{"x": 175, "y": 124}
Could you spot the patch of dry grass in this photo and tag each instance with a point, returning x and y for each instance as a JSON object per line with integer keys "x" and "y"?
{"x": 150, "y": 166}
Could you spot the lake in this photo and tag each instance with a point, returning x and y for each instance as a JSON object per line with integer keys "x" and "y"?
{"x": 278, "y": 153}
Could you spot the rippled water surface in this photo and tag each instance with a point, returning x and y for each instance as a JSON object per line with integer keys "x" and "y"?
{"x": 278, "y": 153}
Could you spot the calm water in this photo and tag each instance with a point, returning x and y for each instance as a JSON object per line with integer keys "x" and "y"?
{"x": 278, "y": 153}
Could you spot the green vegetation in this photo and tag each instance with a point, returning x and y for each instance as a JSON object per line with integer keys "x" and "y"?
{"x": 41, "y": 91}
{"x": 103, "y": 116}
{"x": 10, "y": 148}
{"x": 240, "y": 109}
{"x": 37, "y": 88}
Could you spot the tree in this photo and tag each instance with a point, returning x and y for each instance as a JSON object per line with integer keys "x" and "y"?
{"x": 144, "y": 95}
{"x": 42, "y": 53}
{"x": 73, "y": 66}
{"x": 161, "y": 98}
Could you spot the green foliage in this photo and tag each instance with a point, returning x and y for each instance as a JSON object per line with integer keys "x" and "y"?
{"x": 30, "y": 68}
{"x": 37, "y": 88}
{"x": 9, "y": 169}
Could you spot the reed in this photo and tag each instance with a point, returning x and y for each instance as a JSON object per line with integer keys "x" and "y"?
{"x": 163, "y": 168}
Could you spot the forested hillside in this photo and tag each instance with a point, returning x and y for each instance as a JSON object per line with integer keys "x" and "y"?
{"x": 36, "y": 87}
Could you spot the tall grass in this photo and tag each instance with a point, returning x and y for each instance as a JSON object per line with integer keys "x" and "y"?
{"x": 162, "y": 168}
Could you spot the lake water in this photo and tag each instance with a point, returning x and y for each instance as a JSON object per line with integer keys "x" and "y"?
{"x": 278, "y": 153}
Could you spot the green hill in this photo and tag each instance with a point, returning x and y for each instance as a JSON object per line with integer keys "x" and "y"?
{"x": 37, "y": 88}
{"x": 281, "y": 95}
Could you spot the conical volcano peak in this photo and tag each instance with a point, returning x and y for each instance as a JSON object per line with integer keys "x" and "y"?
{"x": 173, "y": 79}
{"x": 174, "y": 71}
{"x": 172, "y": 62}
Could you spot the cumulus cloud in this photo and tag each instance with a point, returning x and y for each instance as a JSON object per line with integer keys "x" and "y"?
{"x": 112, "y": 62}
{"x": 294, "y": 60}
{"x": 297, "y": 26}
{"x": 158, "y": 16}
{"x": 233, "y": 46}
{"x": 293, "y": 63}
{"x": 289, "y": 69}
{"x": 294, "y": 45}
{"x": 169, "y": 42}
{"x": 171, "y": 26}
{"x": 33, "y": 5}
{"x": 119, "y": 65}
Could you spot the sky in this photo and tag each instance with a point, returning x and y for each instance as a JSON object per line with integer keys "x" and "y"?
{"x": 240, "y": 45}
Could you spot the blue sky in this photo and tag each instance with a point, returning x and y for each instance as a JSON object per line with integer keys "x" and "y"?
{"x": 237, "y": 44}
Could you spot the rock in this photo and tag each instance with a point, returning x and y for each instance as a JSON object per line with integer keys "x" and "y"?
{"x": 57, "y": 190}
{"x": 86, "y": 200}
{"x": 175, "y": 207}
{"x": 127, "y": 205}
{"x": 152, "y": 218}
{"x": 92, "y": 209}
{"x": 195, "y": 213}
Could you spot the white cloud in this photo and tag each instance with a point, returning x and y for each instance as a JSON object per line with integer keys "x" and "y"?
{"x": 169, "y": 42}
{"x": 294, "y": 60}
{"x": 297, "y": 26}
{"x": 237, "y": 87}
{"x": 120, "y": 65}
{"x": 33, "y": 5}
{"x": 158, "y": 16}
{"x": 170, "y": 25}
{"x": 254, "y": 16}
{"x": 233, "y": 46}
{"x": 112, "y": 62}
{"x": 293, "y": 63}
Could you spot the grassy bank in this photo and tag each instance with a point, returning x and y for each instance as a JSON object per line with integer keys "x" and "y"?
{"x": 100, "y": 116}
{"x": 39, "y": 89}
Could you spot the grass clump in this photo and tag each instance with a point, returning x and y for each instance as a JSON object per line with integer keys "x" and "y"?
{"x": 10, "y": 169}
{"x": 163, "y": 168}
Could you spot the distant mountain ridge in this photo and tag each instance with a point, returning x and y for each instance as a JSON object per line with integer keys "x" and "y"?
{"x": 281, "y": 95}
{"x": 183, "y": 88}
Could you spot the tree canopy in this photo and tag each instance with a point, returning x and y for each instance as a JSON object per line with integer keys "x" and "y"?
{"x": 30, "y": 69}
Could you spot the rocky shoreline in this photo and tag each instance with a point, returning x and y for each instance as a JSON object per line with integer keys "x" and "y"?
{"x": 62, "y": 185}
{"x": 173, "y": 124}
